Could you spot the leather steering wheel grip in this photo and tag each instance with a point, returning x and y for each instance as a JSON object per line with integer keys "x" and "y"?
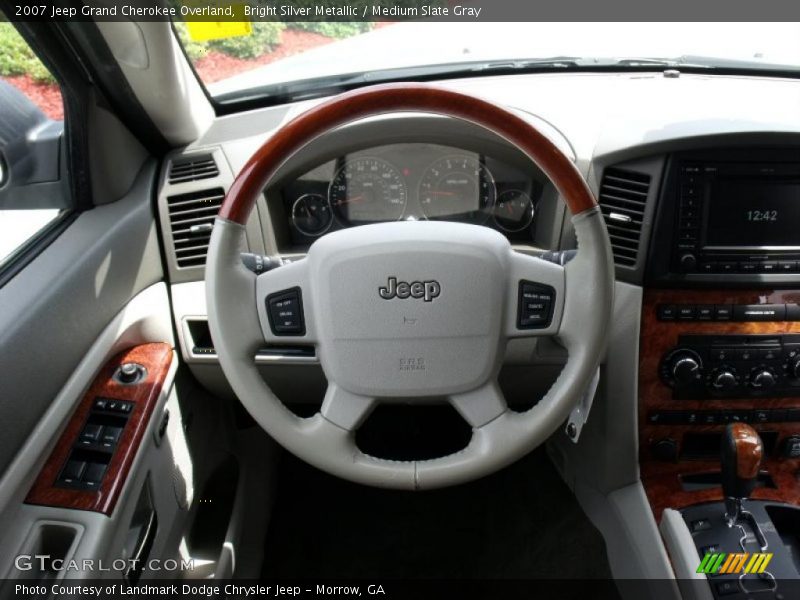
{"x": 236, "y": 327}
{"x": 402, "y": 97}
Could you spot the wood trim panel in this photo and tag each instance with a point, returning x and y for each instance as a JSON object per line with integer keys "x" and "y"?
{"x": 402, "y": 97}
{"x": 156, "y": 358}
{"x": 661, "y": 479}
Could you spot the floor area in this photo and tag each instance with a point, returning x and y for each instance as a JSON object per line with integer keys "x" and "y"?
{"x": 520, "y": 523}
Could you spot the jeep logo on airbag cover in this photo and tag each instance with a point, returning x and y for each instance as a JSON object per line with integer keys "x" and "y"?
{"x": 427, "y": 290}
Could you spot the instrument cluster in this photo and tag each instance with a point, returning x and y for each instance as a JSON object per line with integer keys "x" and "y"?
{"x": 411, "y": 182}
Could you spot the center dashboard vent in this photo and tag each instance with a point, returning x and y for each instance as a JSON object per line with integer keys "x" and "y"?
{"x": 191, "y": 218}
{"x": 193, "y": 169}
{"x": 623, "y": 199}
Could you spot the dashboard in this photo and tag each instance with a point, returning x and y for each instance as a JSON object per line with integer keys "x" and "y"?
{"x": 411, "y": 182}
{"x": 698, "y": 178}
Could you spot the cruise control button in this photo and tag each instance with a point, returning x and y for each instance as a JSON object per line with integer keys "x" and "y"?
{"x": 285, "y": 312}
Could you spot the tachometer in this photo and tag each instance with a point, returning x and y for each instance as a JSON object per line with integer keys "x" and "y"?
{"x": 457, "y": 188}
{"x": 368, "y": 190}
{"x": 513, "y": 211}
{"x": 311, "y": 214}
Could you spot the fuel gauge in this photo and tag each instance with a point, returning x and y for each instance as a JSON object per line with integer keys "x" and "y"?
{"x": 513, "y": 211}
{"x": 311, "y": 214}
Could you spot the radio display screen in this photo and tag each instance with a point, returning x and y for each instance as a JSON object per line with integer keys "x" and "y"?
{"x": 753, "y": 212}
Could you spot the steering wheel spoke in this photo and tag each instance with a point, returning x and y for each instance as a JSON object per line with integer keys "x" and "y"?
{"x": 345, "y": 409}
{"x": 535, "y": 298}
{"x": 285, "y": 304}
{"x": 481, "y": 405}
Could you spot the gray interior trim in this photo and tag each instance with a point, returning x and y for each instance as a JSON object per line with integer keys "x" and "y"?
{"x": 56, "y": 307}
{"x": 682, "y": 551}
{"x": 635, "y": 549}
{"x": 152, "y": 60}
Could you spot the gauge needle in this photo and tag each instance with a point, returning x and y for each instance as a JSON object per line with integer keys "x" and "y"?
{"x": 354, "y": 200}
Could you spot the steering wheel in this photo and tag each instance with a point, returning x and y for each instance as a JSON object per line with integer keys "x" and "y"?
{"x": 410, "y": 312}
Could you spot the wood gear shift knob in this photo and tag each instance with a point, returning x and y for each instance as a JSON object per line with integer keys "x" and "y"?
{"x": 741, "y": 455}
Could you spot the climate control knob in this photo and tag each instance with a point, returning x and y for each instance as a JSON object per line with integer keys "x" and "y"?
{"x": 763, "y": 378}
{"x": 724, "y": 380}
{"x": 685, "y": 367}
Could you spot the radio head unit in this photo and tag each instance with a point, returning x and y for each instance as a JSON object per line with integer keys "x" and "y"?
{"x": 737, "y": 217}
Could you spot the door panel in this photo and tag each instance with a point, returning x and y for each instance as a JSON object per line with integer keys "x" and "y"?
{"x": 57, "y": 306}
{"x": 96, "y": 291}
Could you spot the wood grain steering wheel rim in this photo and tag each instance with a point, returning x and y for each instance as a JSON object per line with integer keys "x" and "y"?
{"x": 362, "y": 339}
{"x": 405, "y": 97}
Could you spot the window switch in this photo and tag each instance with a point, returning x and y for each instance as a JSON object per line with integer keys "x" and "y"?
{"x": 91, "y": 433}
{"x": 94, "y": 474}
{"x": 73, "y": 471}
{"x": 111, "y": 434}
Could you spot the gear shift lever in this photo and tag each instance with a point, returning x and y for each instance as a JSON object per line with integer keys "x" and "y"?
{"x": 741, "y": 455}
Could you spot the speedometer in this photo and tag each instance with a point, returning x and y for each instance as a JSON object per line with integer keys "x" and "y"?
{"x": 457, "y": 188}
{"x": 367, "y": 190}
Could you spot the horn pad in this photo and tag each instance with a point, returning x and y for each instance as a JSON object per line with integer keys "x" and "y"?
{"x": 400, "y": 322}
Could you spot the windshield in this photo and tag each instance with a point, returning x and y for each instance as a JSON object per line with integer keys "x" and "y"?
{"x": 276, "y": 54}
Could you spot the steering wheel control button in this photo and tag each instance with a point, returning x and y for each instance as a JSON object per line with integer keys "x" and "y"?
{"x": 536, "y": 303}
{"x": 285, "y": 312}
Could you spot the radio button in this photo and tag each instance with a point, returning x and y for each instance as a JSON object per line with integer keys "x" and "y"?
{"x": 768, "y": 266}
{"x": 723, "y": 312}
{"x": 725, "y": 267}
{"x": 686, "y": 312}
{"x": 705, "y": 313}
{"x": 666, "y": 312}
{"x": 787, "y": 266}
{"x": 759, "y": 312}
{"x": 707, "y": 267}
{"x": 748, "y": 267}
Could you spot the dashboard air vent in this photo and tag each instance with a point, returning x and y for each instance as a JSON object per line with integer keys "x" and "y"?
{"x": 191, "y": 218}
{"x": 193, "y": 169}
{"x": 623, "y": 198}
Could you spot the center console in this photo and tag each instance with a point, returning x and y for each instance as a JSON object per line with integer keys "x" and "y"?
{"x": 720, "y": 345}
